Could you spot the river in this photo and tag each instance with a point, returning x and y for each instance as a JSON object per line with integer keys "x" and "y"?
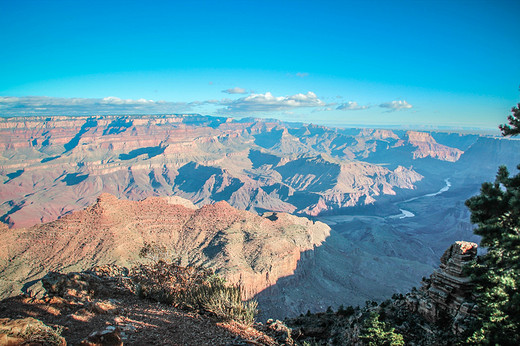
{"x": 407, "y": 213}
{"x": 334, "y": 219}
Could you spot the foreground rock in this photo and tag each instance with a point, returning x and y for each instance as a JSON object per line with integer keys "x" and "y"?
{"x": 448, "y": 291}
{"x": 111, "y": 336}
{"x": 244, "y": 248}
{"x": 108, "y": 280}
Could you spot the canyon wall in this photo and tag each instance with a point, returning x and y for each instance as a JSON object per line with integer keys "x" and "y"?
{"x": 50, "y": 166}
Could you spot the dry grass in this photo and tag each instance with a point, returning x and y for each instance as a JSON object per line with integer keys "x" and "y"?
{"x": 42, "y": 335}
{"x": 194, "y": 289}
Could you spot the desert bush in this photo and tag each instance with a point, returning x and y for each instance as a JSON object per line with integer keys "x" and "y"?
{"x": 43, "y": 335}
{"x": 156, "y": 252}
{"x": 167, "y": 282}
{"x": 192, "y": 288}
{"x": 223, "y": 300}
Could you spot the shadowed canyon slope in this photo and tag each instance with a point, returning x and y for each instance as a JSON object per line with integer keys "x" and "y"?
{"x": 239, "y": 245}
{"x": 52, "y": 166}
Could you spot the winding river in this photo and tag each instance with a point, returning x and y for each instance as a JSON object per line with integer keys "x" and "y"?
{"x": 334, "y": 219}
{"x": 407, "y": 213}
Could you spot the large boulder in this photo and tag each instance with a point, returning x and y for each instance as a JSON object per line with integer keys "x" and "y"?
{"x": 110, "y": 336}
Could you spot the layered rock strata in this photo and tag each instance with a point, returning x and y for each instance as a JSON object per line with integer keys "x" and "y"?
{"x": 50, "y": 166}
{"x": 448, "y": 291}
{"x": 428, "y": 147}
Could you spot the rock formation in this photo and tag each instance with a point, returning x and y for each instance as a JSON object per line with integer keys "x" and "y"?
{"x": 427, "y": 146}
{"x": 241, "y": 246}
{"x": 28, "y": 331}
{"x": 448, "y": 291}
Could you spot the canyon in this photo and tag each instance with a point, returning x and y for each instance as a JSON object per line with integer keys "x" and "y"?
{"x": 52, "y": 166}
{"x": 95, "y": 188}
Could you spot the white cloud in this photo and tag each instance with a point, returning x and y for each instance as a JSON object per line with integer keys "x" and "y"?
{"x": 235, "y": 90}
{"x": 207, "y": 102}
{"x": 302, "y": 74}
{"x": 269, "y": 103}
{"x": 396, "y": 105}
{"x": 117, "y": 101}
{"x": 109, "y": 105}
{"x": 350, "y": 106}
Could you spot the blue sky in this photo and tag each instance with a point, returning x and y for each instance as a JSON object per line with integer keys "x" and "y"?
{"x": 403, "y": 63}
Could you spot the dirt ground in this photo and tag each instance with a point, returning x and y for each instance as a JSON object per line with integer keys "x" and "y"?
{"x": 140, "y": 322}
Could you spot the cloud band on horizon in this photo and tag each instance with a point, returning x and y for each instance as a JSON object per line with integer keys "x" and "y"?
{"x": 44, "y": 105}
{"x": 28, "y": 105}
{"x": 254, "y": 103}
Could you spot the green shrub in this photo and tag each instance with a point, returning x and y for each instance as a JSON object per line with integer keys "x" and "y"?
{"x": 223, "y": 300}
{"x": 377, "y": 333}
{"x": 349, "y": 311}
{"x": 194, "y": 289}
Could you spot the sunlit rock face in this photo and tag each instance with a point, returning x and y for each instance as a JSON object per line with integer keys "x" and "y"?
{"x": 245, "y": 248}
{"x": 427, "y": 146}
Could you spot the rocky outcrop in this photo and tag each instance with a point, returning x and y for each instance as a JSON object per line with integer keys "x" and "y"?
{"x": 245, "y": 248}
{"x": 447, "y": 294}
{"x": 107, "y": 280}
{"x": 426, "y": 146}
